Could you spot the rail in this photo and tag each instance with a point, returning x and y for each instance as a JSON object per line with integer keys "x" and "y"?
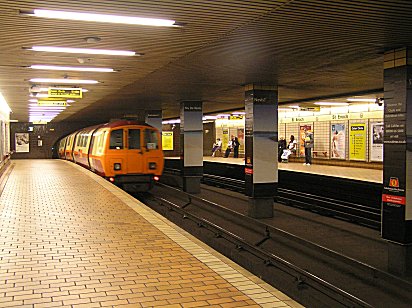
{"x": 301, "y": 276}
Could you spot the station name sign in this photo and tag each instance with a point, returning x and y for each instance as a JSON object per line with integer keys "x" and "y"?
{"x": 65, "y": 92}
{"x": 52, "y": 103}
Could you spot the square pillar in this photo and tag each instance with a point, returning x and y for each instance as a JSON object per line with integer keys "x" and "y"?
{"x": 261, "y": 143}
{"x": 191, "y": 145}
{"x": 397, "y": 173}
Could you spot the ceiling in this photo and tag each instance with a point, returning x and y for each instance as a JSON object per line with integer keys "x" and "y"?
{"x": 310, "y": 49}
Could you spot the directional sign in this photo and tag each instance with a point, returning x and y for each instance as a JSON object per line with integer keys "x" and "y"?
{"x": 65, "y": 92}
{"x": 52, "y": 103}
{"x": 310, "y": 108}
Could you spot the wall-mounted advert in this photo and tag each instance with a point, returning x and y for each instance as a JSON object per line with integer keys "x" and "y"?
{"x": 22, "y": 142}
{"x": 302, "y": 136}
{"x": 167, "y": 141}
{"x": 376, "y": 141}
{"x": 357, "y": 141}
{"x": 338, "y": 141}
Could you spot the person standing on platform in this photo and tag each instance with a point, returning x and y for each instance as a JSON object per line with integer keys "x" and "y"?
{"x": 308, "y": 142}
{"x": 281, "y": 147}
{"x": 229, "y": 148}
{"x": 217, "y": 146}
{"x": 236, "y": 145}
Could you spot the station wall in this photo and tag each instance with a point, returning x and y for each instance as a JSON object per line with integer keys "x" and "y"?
{"x": 28, "y": 141}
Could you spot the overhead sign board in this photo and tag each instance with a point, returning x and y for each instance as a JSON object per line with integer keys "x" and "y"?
{"x": 310, "y": 108}
{"x": 65, "y": 92}
{"x": 52, "y": 103}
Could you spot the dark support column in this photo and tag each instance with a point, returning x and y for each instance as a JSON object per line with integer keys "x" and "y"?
{"x": 397, "y": 173}
{"x": 261, "y": 165}
{"x": 191, "y": 145}
{"x": 154, "y": 118}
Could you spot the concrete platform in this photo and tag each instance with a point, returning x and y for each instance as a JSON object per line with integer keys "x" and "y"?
{"x": 362, "y": 174}
{"x": 69, "y": 238}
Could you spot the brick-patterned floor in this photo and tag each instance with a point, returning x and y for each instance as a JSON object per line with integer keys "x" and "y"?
{"x": 70, "y": 238}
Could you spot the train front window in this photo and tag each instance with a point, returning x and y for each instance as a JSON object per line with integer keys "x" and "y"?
{"x": 150, "y": 139}
{"x": 134, "y": 139}
{"x": 116, "y": 139}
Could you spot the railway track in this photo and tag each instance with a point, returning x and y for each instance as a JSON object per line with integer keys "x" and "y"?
{"x": 311, "y": 274}
{"x": 351, "y": 200}
{"x": 341, "y": 209}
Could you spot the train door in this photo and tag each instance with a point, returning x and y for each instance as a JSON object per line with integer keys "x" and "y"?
{"x": 153, "y": 158}
{"x": 134, "y": 156}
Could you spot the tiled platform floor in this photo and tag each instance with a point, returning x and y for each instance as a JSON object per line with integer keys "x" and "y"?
{"x": 68, "y": 238}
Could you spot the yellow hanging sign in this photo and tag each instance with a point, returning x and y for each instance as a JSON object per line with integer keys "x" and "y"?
{"x": 65, "y": 92}
{"x": 52, "y": 103}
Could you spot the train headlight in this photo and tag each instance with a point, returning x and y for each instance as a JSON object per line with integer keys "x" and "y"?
{"x": 117, "y": 166}
{"x": 152, "y": 166}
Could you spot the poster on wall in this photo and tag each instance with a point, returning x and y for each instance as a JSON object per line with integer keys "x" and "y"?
{"x": 376, "y": 141}
{"x": 338, "y": 141}
{"x": 357, "y": 142}
{"x": 302, "y": 136}
{"x": 22, "y": 142}
{"x": 241, "y": 136}
{"x": 167, "y": 141}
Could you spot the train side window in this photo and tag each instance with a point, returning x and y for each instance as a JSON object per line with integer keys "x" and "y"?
{"x": 134, "y": 138}
{"x": 116, "y": 139}
{"x": 150, "y": 139}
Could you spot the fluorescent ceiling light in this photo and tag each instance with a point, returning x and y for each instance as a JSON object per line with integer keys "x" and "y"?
{"x": 294, "y": 107}
{"x": 331, "y": 104}
{"x": 368, "y": 100}
{"x": 208, "y": 117}
{"x": 70, "y": 101}
{"x": 105, "y": 18}
{"x": 171, "y": 121}
{"x": 63, "y": 80}
{"x": 72, "y": 68}
{"x": 37, "y": 105}
{"x": 85, "y": 50}
{"x": 33, "y": 100}
{"x": 222, "y": 115}
{"x": 238, "y": 113}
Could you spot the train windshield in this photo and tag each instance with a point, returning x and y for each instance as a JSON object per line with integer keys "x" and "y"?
{"x": 134, "y": 138}
{"x": 116, "y": 139}
{"x": 150, "y": 139}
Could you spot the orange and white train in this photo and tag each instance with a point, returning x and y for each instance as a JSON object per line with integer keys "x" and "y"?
{"x": 127, "y": 153}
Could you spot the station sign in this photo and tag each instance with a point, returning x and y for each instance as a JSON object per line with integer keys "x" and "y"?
{"x": 65, "y": 92}
{"x": 311, "y": 108}
{"x": 39, "y": 122}
{"x": 52, "y": 103}
{"x": 236, "y": 117}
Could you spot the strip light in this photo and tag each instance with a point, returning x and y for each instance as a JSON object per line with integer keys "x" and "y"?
{"x": 367, "y": 100}
{"x": 72, "y": 68}
{"x": 63, "y": 80}
{"x": 331, "y": 104}
{"x": 91, "y": 51}
{"x": 105, "y": 18}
